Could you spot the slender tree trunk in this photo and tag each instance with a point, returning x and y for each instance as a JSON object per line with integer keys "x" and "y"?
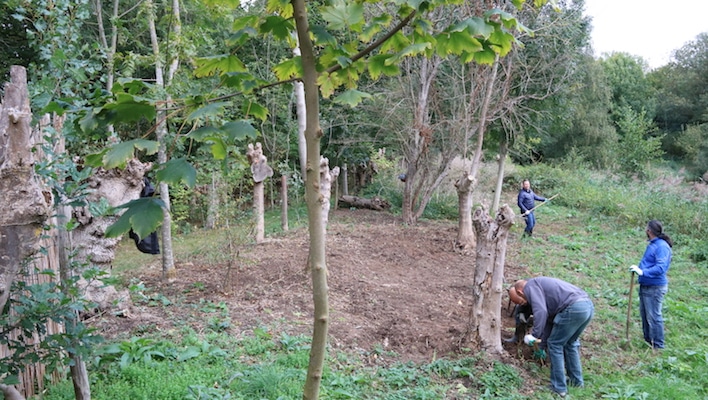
{"x": 503, "y": 149}
{"x": 284, "y": 203}
{"x": 345, "y": 180}
{"x": 466, "y": 184}
{"x": 260, "y": 171}
{"x": 326, "y": 178}
{"x": 299, "y": 90}
{"x": 259, "y": 211}
{"x": 485, "y": 314}
{"x": 213, "y": 209}
{"x": 79, "y": 373}
{"x": 110, "y": 50}
{"x": 168, "y": 262}
{"x": 417, "y": 147}
{"x": 316, "y": 259}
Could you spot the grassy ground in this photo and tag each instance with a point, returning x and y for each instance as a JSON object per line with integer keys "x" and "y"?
{"x": 588, "y": 236}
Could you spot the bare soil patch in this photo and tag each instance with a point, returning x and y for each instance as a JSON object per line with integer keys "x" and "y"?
{"x": 392, "y": 287}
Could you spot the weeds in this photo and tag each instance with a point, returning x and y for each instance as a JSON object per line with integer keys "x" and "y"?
{"x": 588, "y": 236}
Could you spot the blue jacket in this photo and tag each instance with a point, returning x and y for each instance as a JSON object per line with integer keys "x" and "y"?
{"x": 655, "y": 263}
{"x": 526, "y": 199}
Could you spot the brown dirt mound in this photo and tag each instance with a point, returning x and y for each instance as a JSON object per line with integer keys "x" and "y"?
{"x": 392, "y": 287}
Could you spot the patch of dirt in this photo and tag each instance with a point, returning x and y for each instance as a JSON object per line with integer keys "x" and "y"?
{"x": 392, "y": 287}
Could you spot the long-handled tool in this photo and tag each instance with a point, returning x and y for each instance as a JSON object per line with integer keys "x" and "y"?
{"x": 547, "y": 200}
{"x": 629, "y": 304}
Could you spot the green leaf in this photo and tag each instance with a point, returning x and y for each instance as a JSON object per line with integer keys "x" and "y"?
{"x": 177, "y": 171}
{"x": 341, "y": 15}
{"x": 242, "y": 81}
{"x": 289, "y": 68}
{"x": 225, "y": 63}
{"x": 412, "y": 50}
{"x": 322, "y": 36}
{"x": 379, "y": 65}
{"x": 95, "y": 159}
{"x": 89, "y": 122}
{"x": 486, "y": 56}
{"x": 395, "y": 43}
{"x": 130, "y": 86}
{"x": 204, "y": 133}
{"x": 352, "y": 97}
{"x": 474, "y": 26}
{"x": 282, "y": 7}
{"x": 255, "y": 109}
{"x": 210, "y": 110}
{"x": 143, "y": 215}
{"x": 119, "y": 154}
{"x": 239, "y": 130}
{"x": 129, "y": 108}
{"x": 189, "y": 353}
{"x": 278, "y": 26}
{"x": 457, "y": 43}
{"x": 504, "y": 40}
{"x": 218, "y": 148}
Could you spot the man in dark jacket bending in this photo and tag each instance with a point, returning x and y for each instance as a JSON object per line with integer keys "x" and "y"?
{"x": 561, "y": 311}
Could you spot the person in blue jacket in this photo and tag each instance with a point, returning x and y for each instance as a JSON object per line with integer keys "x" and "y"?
{"x": 526, "y": 201}
{"x": 653, "y": 283}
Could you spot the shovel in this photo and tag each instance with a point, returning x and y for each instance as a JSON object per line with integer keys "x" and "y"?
{"x": 629, "y": 304}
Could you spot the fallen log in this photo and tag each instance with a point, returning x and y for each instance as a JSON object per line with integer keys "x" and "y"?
{"x": 375, "y": 203}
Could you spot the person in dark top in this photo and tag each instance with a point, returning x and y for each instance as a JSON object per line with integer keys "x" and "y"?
{"x": 526, "y": 201}
{"x": 561, "y": 311}
{"x": 653, "y": 283}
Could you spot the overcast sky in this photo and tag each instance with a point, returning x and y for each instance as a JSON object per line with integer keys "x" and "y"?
{"x": 651, "y": 29}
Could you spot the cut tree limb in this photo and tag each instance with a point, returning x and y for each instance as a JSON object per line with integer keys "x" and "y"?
{"x": 375, "y": 203}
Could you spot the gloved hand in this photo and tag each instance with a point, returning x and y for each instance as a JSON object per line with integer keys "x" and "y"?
{"x": 525, "y": 213}
{"x": 530, "y": 339}
{"x": 636, "y": 269}
{"x": 540, "y": 354}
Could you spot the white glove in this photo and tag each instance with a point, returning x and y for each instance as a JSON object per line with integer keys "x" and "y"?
{"x": 636, "y": 269}
{"x": 530, "y": 340}
{"x": 525, "y": 213}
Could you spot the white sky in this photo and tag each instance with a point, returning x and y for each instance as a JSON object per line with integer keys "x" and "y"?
{"x": 651, "y": 29}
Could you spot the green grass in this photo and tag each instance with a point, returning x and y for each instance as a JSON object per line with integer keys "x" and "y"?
{"x": 588, "y": 236}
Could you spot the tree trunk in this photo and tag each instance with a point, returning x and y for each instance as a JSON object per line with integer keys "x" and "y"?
{"x": 25, "y": 207}
{"x": 161, "y": 131}
{"x": 375, "y": 203}
{"x": 417, "y": 146}
{"x": 326, "y": 178}
{"x": 110, "y": 50}
{"x": 316, "y": 258}
{"x": 345, "y": 180}
{"x": 300, "y": 109}
{"x": 213, "y": 208}
{"x": 259, "y": 211}
{"x": 284, "y": 203}
{"x": 465, "y": 234}
{"x": 466, "y": 184}
{"x": 503, "y": 149}
{"x": 79, "y": 374}
{"x": 260, "y": 171}
{"x": 485, "y": 315}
